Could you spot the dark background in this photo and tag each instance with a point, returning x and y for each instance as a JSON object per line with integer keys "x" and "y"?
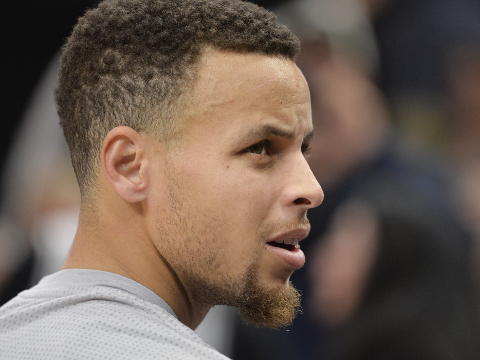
{"x": 31, "y": 33}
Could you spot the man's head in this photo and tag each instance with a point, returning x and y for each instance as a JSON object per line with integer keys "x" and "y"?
{"x": 237, "y": 181}
{"x": 207, "y": 184}
{"x": 132, "y": 62}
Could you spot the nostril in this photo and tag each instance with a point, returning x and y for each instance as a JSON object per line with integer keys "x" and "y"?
{"x": 302, "y": 201}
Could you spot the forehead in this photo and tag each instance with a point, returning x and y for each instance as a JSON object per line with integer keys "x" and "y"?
{"x": 230, "y": 85}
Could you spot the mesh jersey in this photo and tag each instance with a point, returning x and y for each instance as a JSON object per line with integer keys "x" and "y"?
{"x": 91, "y": 314}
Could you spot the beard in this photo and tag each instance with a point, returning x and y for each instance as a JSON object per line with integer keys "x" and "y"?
{"x": 269, "y": 307}
{"x": 256, "y": 304}
{"x": 202, "y": 270}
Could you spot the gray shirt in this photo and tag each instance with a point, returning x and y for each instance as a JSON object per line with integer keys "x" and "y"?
{"x": 91, "y": 314}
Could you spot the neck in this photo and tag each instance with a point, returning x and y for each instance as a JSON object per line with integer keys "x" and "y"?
{"x": 118, "y": 242}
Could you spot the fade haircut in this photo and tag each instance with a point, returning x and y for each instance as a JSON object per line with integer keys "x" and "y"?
{"x": 131, "y": 62}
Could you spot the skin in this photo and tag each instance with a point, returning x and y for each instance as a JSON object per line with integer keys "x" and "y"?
{"x": 198, "y": 212}
{"x": 342, "y": 264}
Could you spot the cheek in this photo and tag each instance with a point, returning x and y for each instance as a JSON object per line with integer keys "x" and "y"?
{"x": 243, "y": 205}
{"x": 238, "y": 194}
{"x": 233, "y": 197}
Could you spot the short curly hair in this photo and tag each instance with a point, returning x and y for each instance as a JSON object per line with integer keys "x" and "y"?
{"x": 131, "y": 62}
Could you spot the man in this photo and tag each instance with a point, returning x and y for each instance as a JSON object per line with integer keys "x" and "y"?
{"x": 188, "y": 124}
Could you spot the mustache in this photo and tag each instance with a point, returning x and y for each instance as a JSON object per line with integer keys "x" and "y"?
{"x": 285, "y": 227}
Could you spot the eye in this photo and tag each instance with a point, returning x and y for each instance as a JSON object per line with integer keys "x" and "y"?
{"x": 260, "y": 148}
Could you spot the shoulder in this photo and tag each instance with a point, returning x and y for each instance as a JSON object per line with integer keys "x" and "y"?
{"x": 98, "y": 323}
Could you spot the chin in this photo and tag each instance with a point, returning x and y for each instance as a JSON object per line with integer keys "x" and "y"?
{"x": 272, "y": 307}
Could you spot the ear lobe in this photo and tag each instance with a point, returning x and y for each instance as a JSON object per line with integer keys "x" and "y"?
{"x": 123, "y": 163}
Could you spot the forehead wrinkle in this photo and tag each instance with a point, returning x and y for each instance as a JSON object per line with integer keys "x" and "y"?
{"x": 226, "y": 89}
{"x": 264, "y": 83}
{"x": 270, "y": 130}
{"x": 212, "y": 91}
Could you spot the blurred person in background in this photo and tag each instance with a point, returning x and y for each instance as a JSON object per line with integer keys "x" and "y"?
{"x": 406, "y": 45}
{"x": 416, "y": 40}
{"x": 464, "y": 102}
{"x": 355, "y": 143}
{"x": 391, "y": 280}
{"x": 463, "y": 141}
{"x": 430, "y": 72}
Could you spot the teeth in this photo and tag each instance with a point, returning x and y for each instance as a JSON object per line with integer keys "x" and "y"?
{"x": 291, "y": 241}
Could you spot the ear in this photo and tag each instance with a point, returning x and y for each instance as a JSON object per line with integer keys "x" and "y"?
{"x": 123, "y": 162}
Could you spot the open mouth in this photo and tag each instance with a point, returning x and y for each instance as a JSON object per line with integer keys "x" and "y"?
{"x": 288, "y": 250}
{"x": 287, "y": 244}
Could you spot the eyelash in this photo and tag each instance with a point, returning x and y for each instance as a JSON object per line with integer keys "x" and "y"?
{"x": 267, "y": 147}
{"x": 306, "y": 149}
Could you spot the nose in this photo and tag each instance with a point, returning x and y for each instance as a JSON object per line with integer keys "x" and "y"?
{"x": 304, "y": 190}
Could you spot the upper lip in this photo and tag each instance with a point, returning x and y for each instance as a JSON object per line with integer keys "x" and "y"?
{"x": 299, "y": 233}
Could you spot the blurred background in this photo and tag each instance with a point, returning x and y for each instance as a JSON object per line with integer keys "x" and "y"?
{"x": 393, "y": 259}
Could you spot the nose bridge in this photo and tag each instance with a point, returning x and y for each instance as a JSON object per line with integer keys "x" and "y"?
{"x": 304, "y": 187}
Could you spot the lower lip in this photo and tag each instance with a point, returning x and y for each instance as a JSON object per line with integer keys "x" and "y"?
{"x": 294, "y": 258}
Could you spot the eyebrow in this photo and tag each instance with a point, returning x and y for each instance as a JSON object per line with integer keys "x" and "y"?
{"x": 269, "y": 130}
